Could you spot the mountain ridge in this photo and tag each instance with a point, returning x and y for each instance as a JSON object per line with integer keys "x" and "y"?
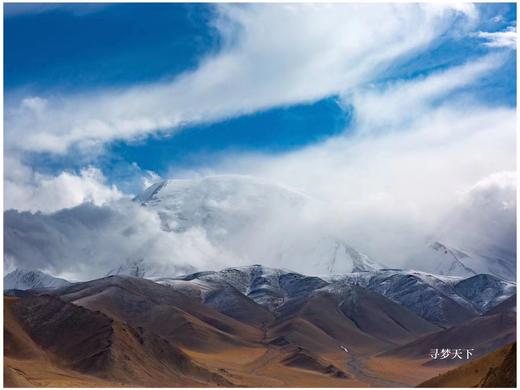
{"x": 22, "y": 279}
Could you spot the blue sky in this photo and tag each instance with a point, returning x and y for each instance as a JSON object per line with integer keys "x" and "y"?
{"x": 124, "y": 44}
{"x": 109, "y": 45}
{"x": 70, "y": 50}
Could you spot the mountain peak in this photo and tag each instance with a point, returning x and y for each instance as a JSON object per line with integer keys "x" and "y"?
{"x": 213, "y": 186}
{"x": 442, "y": 258}
{"x": 248, "y": 219}
{"x": 23, "y": 279}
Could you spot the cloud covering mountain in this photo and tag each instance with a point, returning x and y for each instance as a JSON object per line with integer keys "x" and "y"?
{"x": 427, "y": 155}
{"x": 183, "y": 226}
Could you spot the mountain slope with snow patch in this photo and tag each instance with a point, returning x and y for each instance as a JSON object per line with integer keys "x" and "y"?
{"x": 29, "y": 279}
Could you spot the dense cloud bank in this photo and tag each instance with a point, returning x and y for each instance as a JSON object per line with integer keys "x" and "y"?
{"x": 269, "y": 226}
{"x": 87, "y": 241}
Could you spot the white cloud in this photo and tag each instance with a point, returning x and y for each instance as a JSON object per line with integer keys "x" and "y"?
{"x": 484, "y": 217}
{"x": 26, "y": 189}
{"x": 382, "y": 193}
{"x": 384, "y": 190}
{"x": 497, "y": 189}
{"x": 147, "y": 178}
{"x": 388, "y": 190}
{"x": 87, "y": 241}
{"x": 506, "y": 38}
{"x": 273, "y": 55}
{"x": 383, "y": 109}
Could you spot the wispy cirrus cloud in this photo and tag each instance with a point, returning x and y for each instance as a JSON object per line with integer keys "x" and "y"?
{"x": 505, "y": 38}
{"x": 393, "y": 105}
{"x": 272, "y": 55}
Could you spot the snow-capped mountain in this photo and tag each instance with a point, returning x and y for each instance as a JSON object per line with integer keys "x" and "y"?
{"x": 439, "y": 299}
{"x": 140, "y": 268}
{"x": 269, "y": 287}
{"x": 478, "y": 236}
{"x": 253, "y": 222}
{"x": 342, "y": 258}
{"x": 28, "y": 279}
{"x": 443, "y": 300}
{"x": 222, "y": 205}
{"x": 137, "y": 268}
{"x": 443, "y": 259}
{"x": 485, "y": 291}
